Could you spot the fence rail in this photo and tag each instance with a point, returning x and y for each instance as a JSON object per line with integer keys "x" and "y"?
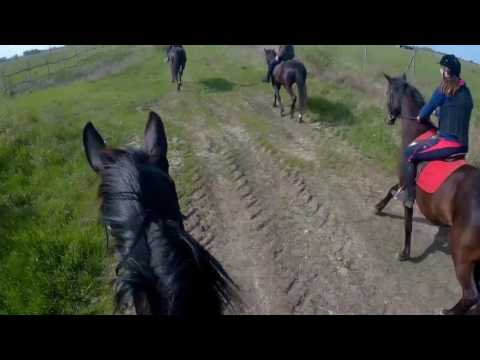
{"x": 11, "y": 84}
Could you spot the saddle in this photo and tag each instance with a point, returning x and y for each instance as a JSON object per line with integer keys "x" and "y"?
{"x": 432, "y": 174}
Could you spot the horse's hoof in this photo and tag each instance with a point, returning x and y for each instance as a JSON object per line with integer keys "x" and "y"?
{"x": 401, "y": 256}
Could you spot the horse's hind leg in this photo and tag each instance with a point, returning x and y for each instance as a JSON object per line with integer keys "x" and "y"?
{"x": 464, "y": 244}
{"x": 172, "y": 70}
{"x": 277, "y": 94}
{"x": 180, "y": 74}
{"x": 470, "y": 294}
{"x": 294, "y": 99}
{"x": 381, "y": 205}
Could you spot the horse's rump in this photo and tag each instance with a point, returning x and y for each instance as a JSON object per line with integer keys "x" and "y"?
{"x": 178, "y": 55}
{"x": 295, "y": 66}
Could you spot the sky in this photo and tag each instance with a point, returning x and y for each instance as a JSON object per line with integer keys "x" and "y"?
{"x": 10, "y": 50}
{"x": 467, "y": 52}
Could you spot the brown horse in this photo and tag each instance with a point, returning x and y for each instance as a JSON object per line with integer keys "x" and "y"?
{"x": 286, "y": 74}
{"x": 456, "y": 203}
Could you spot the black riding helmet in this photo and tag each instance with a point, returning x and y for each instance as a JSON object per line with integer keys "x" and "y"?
{"x": 452, "y": 63}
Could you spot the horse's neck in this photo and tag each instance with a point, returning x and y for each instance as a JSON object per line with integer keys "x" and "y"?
{"x": 411, "y": 129}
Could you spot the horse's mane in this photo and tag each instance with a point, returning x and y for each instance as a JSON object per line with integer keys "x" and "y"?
{"x": 157, "y": 257}
{"x": 413, "y": 92}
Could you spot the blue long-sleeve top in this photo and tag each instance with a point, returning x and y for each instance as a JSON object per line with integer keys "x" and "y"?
{"x": 455, "y": 111}
{"x": 438, "y": 99}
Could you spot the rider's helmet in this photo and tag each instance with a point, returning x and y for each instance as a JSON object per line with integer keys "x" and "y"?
{"x": 452, "y": 63}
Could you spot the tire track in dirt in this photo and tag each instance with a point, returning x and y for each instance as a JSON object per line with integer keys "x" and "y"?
{"x": 223, "y": 203}
{"x": 423, "y": 286}
{"x": 242, "y": 215}
{"x": 317, "y": 248}
{"x": 302, "y": 241}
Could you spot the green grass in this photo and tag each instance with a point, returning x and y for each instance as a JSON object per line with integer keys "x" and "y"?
{"x": 52, "y": 254}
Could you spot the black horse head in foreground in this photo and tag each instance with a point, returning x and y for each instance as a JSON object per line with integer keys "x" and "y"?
{"x": 161, "y": 268}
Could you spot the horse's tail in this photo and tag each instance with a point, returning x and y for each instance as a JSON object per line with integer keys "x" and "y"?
{"x": 301, "y": 80}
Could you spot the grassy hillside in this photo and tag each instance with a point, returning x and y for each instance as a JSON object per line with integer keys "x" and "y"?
{"x": 64, "y": 65}
{"x": 52, "y": 255}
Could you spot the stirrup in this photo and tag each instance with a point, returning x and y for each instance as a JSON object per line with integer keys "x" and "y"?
{"x": 402, "y": 196}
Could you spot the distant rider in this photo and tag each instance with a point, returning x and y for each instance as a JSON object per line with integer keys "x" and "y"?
{"x": 285, "y": 52}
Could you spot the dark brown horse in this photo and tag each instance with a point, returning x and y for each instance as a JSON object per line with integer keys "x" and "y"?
{"x": 456, "y": 204}
{"x": 161, "y": 270}
{"x": 286, "y": 74}
{"x": 177, "y": 57}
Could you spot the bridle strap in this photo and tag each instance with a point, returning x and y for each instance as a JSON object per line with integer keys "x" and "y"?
{"x": 390, "y": 104}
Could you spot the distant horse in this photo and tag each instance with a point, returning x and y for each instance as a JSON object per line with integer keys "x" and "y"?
{"x": 456, "y": 203}
{"x": 177, "y": 57}
{"x": 286, "y": 74}
{"x": 161, "y": 268}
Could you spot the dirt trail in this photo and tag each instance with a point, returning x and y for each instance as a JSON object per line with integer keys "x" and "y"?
{"x": 304, "y": 240}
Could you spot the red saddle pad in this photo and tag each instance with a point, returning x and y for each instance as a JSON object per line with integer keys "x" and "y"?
{"x": 434, "y": 174}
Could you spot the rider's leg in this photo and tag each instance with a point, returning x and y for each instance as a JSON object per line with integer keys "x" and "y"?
{"x": 426, "y": 152}
{"x": 271, "y": 67}
{"x": 409, "y": 168}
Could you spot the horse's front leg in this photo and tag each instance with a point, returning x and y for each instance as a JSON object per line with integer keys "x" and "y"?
{"x": 381, "y": 205}
{"x": 404, "y": 255}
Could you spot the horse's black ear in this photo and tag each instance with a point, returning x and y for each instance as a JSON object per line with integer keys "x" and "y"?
{"x": 389, "y": 79}
{"x": 93, "y": 145}
{"x": 155, "y": 138}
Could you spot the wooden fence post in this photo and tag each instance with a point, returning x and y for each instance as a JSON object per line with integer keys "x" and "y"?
{"x": 48, "y": 69}
{"x": 76, "y": 55}
{"x": 29, "y": 72}
{"x": 414, "y": 58}
{"x": 4, "y": 83}
{"x": 365, "y": 53}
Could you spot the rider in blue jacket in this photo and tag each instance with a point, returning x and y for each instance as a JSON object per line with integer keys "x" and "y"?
{"x": 454, "y": 100}
{"x": 285, "y": 52}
